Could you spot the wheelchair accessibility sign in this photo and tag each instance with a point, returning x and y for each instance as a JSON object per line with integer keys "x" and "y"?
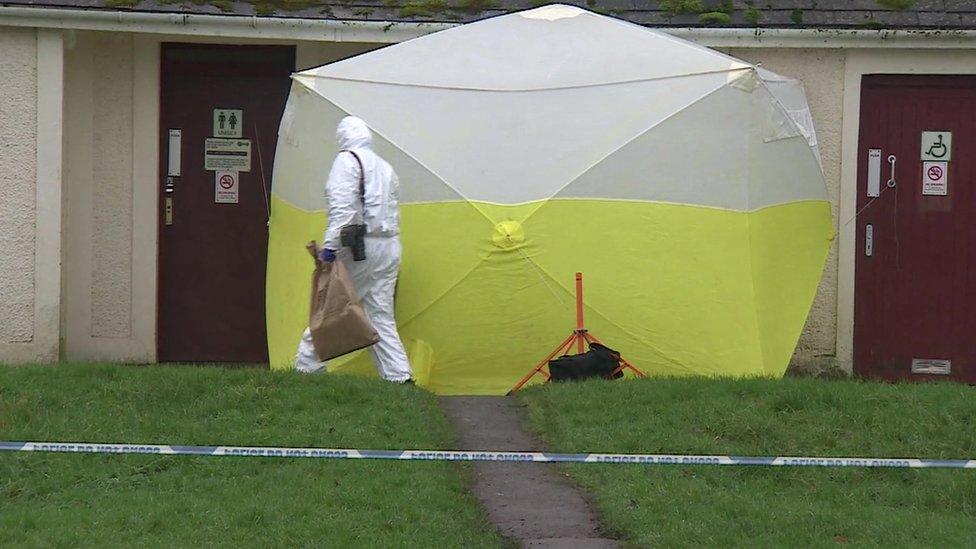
{"x": 936, "y": 146}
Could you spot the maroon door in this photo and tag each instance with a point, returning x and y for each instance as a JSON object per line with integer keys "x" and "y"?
{"x": 915, "y": 279}
{"x": 212, "y": 256}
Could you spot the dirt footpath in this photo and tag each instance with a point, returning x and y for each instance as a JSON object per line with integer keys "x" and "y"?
{"x": 532, "y": 503}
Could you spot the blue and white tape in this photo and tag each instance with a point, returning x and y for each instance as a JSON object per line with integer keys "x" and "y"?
{"x": 441, "y": 455}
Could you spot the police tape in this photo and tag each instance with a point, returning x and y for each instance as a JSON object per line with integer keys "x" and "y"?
{"x": 442, "y": 455}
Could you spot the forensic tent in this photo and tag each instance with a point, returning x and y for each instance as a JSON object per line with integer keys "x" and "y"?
{"x": 683, "y": 183}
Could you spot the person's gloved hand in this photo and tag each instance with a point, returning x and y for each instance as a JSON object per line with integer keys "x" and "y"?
{"x": 327, "y": 255}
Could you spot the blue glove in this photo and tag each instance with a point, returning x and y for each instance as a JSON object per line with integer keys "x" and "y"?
{"x": 327, "y": 255}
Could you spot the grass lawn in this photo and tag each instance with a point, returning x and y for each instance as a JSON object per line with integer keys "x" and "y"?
{"x": 680, "y": 506}
{"x": 128, "y": 500}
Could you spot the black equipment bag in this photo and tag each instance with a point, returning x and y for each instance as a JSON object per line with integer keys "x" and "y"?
{"x": 600, "y": 361}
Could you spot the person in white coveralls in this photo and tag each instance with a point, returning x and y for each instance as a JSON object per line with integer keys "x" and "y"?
{"x": 375, "y": 205}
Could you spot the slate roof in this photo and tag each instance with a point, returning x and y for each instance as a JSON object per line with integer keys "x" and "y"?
{"x": 833, "y": 14}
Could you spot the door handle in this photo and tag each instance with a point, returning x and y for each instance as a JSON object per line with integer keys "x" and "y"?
{"x": 891, "y": 180}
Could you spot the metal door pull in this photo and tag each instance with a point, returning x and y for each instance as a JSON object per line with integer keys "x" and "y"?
{"x": 891, "y": 180}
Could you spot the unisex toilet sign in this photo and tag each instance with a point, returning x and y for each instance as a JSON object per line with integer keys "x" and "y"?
{"x": 228, "y": 122}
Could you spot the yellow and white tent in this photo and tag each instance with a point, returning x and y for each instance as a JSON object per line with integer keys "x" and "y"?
{"x": 683, "y": 183}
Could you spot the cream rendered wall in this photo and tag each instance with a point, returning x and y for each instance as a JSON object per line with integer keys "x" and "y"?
{"x": 106, "y": 261}
{"x": 822, "y": 74}
{"x": 111, "y": 207}
{"x": 314, "y": 54}
{"x": 31, "y": 87}
{"x": 18, "y": 172}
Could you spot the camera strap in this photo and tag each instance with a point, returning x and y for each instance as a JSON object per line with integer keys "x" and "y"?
{"x": 362, "y": 181}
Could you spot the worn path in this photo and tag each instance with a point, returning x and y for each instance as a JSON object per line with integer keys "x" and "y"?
{"x": 529, "y": 502}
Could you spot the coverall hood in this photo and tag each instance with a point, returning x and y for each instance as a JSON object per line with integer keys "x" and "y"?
{"x": 353, "y": 133}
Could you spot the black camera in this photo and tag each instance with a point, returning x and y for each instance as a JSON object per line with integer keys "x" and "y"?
{"x": 354, "y": 237}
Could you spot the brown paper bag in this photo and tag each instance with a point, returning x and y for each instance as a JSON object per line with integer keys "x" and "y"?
{"x": 336, "y": 318}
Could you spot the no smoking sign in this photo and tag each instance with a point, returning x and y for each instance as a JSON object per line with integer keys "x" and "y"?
{"x": 935, "y": 178}
{"x": 226, "y": 187}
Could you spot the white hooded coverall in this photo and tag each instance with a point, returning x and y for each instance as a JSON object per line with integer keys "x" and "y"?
{"x": 375, "y": 278}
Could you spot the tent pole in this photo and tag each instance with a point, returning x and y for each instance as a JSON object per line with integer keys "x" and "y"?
{"x": 580, "y": 349}
{"x": 564, "y": 346}
{"x": 580, "y": 337}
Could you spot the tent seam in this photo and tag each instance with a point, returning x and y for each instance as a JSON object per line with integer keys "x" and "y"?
{"x": 524, "y": 90}
{"x": 412, "y": 157}
{"x": 605, "y": 317}
{"x": 609, "y": 199}
{"x": 749, "y": 221}
{"x": 635, "y": 138}
{"x": 446, "y": 291}
{"x": 622, "y": 145}
{"x": 796, "y": 127}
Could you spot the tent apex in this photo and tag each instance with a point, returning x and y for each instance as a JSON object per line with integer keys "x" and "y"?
{"x": 552, "y": 12}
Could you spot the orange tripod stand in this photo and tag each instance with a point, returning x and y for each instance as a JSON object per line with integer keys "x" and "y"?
{"x": 580, "y": 337}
